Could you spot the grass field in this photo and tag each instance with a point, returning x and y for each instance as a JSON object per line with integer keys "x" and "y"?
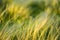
{"x": 35, "y": 20}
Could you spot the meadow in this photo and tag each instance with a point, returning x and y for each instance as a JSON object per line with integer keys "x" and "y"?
{"x": 36, "y": 20}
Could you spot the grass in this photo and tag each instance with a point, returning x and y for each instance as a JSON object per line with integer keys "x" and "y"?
{"x": 36, "y": 21}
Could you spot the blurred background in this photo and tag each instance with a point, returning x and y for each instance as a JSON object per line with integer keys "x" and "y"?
{"x": 29, "y": 19}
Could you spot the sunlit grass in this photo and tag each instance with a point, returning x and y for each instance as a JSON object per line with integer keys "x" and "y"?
{"x": 17, "y": 22}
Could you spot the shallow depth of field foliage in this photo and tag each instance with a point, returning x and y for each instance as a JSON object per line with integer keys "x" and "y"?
{"x": 29, "y": 19}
